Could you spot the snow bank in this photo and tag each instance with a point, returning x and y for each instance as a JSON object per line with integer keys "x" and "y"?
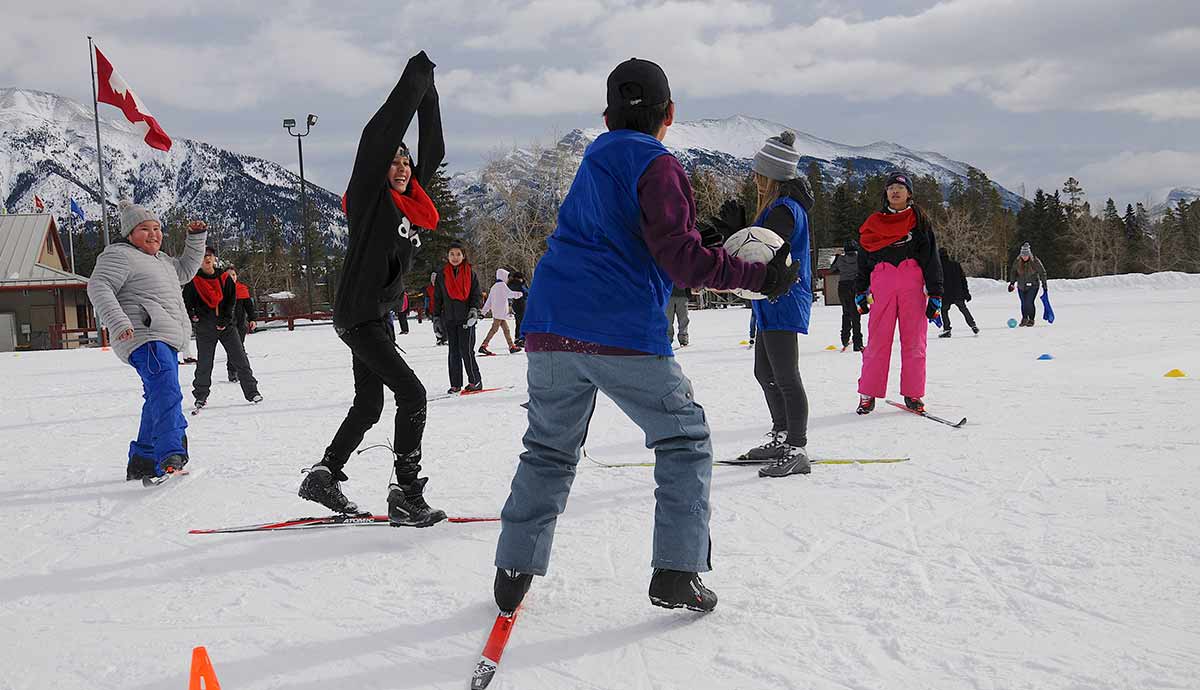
{"x": 1167, "y": 280}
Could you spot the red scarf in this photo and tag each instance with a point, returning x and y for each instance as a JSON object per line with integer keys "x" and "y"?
{"x": 243, "y": 292}
{"x": 416, "y": 205}
{"x": 458, "y": 287}
{"x": 883, "y": 229}
{"x": 209, "y": 289}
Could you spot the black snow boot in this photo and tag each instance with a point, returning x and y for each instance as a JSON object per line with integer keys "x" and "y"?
{"x": 944, "y": 334}
{"x": 407, "y": 506}
{"x": 510, "y": 588}
{"x": 914, "y": 404}
{"x": 672, "y": 589}
{"x": 322, "y": 485}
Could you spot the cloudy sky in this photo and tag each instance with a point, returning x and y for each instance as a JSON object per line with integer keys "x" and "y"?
{"x": 1028, "y": 90}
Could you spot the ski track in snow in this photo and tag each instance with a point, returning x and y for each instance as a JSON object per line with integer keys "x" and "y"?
{"x": 1050, "y": 543}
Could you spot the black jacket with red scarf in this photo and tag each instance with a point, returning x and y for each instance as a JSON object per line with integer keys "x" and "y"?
{"x": 377, "y": 255}
{"x": 197, "y": 308}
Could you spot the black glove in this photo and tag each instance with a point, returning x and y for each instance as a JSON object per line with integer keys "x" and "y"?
{"x": 1010, "y": 286}
{"x": 780, "y": 276}
{"x": 731, "y": 218}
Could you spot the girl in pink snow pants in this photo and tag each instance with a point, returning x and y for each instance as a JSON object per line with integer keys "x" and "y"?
{"x": 899, "y": 268}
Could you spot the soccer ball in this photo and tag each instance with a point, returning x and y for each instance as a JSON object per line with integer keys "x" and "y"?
{"x": 756, "y": 245}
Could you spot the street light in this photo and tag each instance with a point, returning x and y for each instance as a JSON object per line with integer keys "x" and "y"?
{"x": 289, "y": 124}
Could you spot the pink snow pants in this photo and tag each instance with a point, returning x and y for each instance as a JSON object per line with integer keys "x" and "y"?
{"x": 899, "y": 293}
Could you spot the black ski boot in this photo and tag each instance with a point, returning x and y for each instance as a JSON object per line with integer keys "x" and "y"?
{"x": 510, "y": 588}
{"x": 914, "y": 404}
{"x": 174, "y": 463}
{"x": 770, "y": 450}
{"x": 140, "y": 468}
{"x": 866, "y": 404}
{"x": 407, "y": 506}
{"x": 322, "y": 485}
{"x": 672, "y": 589}
{"x": 795, "y": 461}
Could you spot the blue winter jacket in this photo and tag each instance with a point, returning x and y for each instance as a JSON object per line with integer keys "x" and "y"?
{"x": 791, "y": 311}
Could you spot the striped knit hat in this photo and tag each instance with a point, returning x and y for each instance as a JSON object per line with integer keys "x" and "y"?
{"x": 778, "y": 158}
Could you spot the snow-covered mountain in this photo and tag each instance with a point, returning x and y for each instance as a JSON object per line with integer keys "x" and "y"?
{"x": 1186, "y": 194}
{"x": 727, "y": 146}
{"x": 48, "y": 149}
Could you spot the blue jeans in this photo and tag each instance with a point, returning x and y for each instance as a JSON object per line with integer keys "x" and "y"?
{"x": 655, "y": 394}
{"x": 163, "y": 425}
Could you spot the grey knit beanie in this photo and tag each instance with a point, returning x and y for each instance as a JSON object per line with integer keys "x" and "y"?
{"x": 131, "y": 215}
{"x": 778, "y": 158}
{"x": 1025, "y": 250}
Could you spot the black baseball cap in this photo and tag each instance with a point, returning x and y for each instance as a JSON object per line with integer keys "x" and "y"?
{"x": 637, "y": 84}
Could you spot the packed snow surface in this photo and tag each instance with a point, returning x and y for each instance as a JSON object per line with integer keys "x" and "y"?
{"x": 1050, "y": 543}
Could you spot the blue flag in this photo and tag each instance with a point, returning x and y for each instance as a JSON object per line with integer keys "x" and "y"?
{"x": 75, "y": 208}
{"x": 1047, "y": 312}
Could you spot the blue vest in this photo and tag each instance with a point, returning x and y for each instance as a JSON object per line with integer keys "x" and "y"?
{"x": 597, "y": 281}
{"x": 791, "y": 311}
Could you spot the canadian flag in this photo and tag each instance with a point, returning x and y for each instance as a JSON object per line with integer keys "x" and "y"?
{"x": 38, "y": 204}
{"x": 112, "y": 89}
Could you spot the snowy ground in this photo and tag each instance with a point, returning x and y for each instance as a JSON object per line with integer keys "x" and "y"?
{"x": 1051, "y": 543}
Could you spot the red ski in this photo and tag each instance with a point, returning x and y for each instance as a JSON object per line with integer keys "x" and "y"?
{"x": 326, "y": 521}
{"x": 926, "y": 415}
{"x": 485, "y": 670}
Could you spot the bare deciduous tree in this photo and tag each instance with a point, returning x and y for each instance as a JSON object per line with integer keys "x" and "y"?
{"x": 964, "y": 239}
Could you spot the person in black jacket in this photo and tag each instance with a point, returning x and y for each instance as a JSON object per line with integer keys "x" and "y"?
{"x": 458, "y": 297}
{"x": 899, "y": 281}
{"x": 955, "y": 293}
{"x": 385, "y": 203}
{"x": 846, "y": 266}
{"x": 243, "y": 317}
{"x": 516, "y": 283}
{"x": 211, "y": 298}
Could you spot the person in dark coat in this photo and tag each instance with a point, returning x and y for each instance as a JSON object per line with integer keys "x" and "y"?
{"x": 243, "y": 317}
{"x": 846, "y": 266}
{"x": 516, "y": 283}
{"x": 459, "y": 296}
{"x": 385, "y": 205}
{"x": 211, "y": 299}
{"x": 955, "y": 293}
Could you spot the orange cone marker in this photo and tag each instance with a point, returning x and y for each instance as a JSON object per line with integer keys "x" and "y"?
{"x": 202, "y": 670}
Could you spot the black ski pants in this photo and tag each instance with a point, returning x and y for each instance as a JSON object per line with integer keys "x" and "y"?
{"x": 1028, "y": 302}
{"x": 242, "y": 327}
{"x": 207, "y": 336}
{"x": 962, "y": 306}
{"x": 851, "y": 319}
{"x": 377, "y": 363}
{"x": 777, "y": 368}
{"x": 461, "y": 355}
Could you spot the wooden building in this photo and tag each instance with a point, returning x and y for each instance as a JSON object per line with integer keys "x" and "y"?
{"x": 41, "y": 302}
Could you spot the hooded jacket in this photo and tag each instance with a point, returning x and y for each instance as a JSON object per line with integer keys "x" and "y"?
{"x": 498, "y": 299}
{"x": 1027, "y": 274}
{"x": 954, "y": 280}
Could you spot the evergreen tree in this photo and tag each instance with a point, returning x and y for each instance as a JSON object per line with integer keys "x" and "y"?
{"x": 843, "y": 213}
{"x": 819, "y": 218}
{"x": 1075, "y": 198}
{"x": 1134, "y": 236}
{"x": 434, "y": 245}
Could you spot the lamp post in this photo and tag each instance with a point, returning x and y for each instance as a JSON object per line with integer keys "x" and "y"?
{"x": 289, "y": 124}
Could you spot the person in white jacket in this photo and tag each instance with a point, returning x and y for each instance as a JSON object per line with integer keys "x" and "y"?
{"x": 499, "y": 305}
{"x": 135, "y": 291}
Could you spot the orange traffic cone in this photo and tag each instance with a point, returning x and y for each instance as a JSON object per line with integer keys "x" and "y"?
{"x": 202, "y": 670}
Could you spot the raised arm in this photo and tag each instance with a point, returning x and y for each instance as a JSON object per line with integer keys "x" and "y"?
{"x": 193, "y": 252}
{"x": 385, "y": 131}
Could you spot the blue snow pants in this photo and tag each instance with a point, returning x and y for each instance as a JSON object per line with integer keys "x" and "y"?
{"x": 163, "y": 425}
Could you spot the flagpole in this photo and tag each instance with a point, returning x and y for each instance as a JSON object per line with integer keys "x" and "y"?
{"x": 71, "y": 241}
{"x": 99, "y": 151}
